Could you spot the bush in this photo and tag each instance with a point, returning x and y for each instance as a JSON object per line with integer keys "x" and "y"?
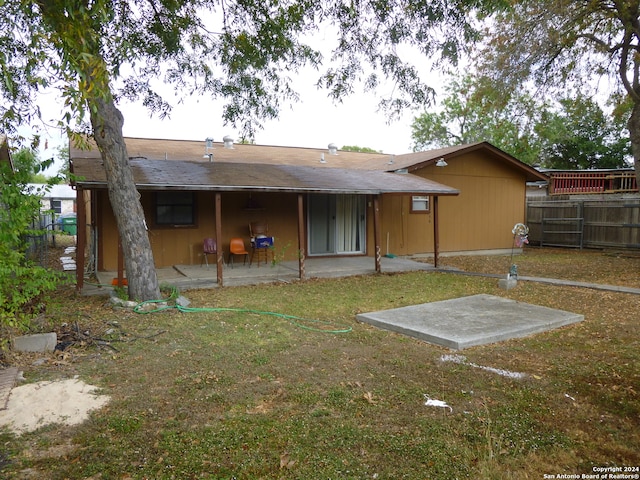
{"x": 22, "y": 283}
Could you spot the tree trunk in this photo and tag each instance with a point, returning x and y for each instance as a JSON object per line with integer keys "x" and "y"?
{"x": 634, "y": 132}
{"x": 107, "y": 123}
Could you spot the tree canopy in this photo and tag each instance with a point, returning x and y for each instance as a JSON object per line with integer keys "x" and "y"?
{"x": 472, "y": 112}
{"x": 558, "y": 46}
{"x": 571, "y": 133}
{"x": 96, "y": 52}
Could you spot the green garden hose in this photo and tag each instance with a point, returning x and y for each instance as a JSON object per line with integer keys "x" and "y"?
{"x": 296, "y": 321}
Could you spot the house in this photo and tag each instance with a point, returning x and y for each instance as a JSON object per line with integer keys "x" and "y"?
{"x": 59, "y": 199}
{"x": 316, "y": 202}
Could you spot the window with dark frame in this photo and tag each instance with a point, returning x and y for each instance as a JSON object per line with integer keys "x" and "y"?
{"x": 56, "y": 206}
{"x": 419, "y": 204}
{"x": 175, "y": 208}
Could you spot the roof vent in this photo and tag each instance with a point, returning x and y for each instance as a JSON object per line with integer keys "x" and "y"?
{"x": 208, "y": 143}
{"x": 392, "y": 160}
{"x": 333, "y": 150}
{"x": 228, "y": 142}
{"x": 322, "y": 160}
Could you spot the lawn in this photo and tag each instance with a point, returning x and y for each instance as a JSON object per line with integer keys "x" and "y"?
{"x": 239, "y": 394}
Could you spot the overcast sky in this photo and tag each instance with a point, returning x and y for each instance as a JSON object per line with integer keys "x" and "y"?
{"x": 313, "y": 122}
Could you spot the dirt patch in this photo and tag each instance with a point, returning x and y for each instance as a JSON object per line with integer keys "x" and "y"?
{"x": 38, "y": 404}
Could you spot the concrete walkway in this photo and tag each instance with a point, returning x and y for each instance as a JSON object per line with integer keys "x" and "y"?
{"x": 550, "y": 281}
{"x": 195, "y": 276}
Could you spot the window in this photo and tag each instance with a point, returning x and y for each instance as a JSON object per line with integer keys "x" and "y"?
{"x": 56, "y": 206}
{"x": 419, "y": 204}
{"x": 175, "y": 208}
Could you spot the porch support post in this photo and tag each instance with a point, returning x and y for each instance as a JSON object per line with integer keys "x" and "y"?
{"x": 120, "y": 263}
{"x": 81, "y": 242}
{"x": 376, "y": 230}
{"x": 220, "y": 254}
{"x": 436, "y": 233}
{"x": 301, "y": 245}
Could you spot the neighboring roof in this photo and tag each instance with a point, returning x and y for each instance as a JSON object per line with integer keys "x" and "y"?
{"x": 220, "y": 176}
{"x": 60, "y": 192}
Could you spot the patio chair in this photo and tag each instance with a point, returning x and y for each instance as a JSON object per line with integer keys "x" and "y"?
{"x": 236, "y": 247}
{"x": 209, "y": 247}
{"x": 260, "y": 242}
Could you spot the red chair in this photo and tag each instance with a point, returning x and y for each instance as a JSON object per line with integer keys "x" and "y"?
{"x": 236, "y": 247}
{"x": 210, "y": 247}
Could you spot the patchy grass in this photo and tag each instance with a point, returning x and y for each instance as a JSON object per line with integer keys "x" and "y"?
{"x": 240, "y": 395}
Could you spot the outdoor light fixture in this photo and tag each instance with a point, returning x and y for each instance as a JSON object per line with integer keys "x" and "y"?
{"x": 441, "y": 163}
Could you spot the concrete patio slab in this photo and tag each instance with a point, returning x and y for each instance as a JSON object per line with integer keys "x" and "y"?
{"x": 200, "y": 276}
{"x": 470, "y": 321}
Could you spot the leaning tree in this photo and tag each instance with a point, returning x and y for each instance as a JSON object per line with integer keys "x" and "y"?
{"x": 96, "y": 52}
{"x": 558, "y": 45}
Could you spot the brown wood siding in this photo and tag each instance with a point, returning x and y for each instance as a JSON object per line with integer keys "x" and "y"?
{"x": 491, "y": 202}
{"x": 183, "y": 245}
{"x": 408, "y": 233}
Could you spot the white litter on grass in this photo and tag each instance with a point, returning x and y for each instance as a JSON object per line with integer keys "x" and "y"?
{"x": 462, "y": 360}
{"x": 70, "y": 250}
{"x": 431, "y": 402}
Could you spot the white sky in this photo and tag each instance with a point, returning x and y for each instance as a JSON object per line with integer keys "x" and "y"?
{"x": 312, "y": 122}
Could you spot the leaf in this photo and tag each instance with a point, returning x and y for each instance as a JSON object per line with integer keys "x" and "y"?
{"x": 368, "y": 396}
{"x": 286, "y": 462}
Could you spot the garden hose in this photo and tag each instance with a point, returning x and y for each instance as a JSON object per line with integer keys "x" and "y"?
{"x": 296, "y": 321}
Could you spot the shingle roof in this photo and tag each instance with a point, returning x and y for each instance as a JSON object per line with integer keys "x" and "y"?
{"x": 157, "y": 149}
{"x": 192, "y": 150}
{"x": 221, "y": 176}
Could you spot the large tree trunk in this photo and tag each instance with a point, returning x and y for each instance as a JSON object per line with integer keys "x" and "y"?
{"x": 634, "y": 132}
{"x": 107, "y": 123}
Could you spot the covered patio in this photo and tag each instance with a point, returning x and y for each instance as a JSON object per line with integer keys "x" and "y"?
{"x": 220, "y": 179}
{"x": 186, "y": 277}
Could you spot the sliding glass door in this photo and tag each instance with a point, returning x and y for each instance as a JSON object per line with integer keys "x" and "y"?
{"x": 337, "y": 224}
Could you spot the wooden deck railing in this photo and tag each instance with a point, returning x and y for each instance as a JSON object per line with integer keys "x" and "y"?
{"x": 563, "y": 183}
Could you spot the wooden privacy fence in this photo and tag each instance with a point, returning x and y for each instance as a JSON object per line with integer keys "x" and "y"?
{"x": 585, "y": 223}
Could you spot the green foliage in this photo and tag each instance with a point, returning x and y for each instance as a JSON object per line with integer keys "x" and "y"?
{"x": 21, "y": 282}
{"x": 474, "y": 112}
{"x": 553, "y": 47}
{"x": 244, "y": 52}
{"x": 355, "y": 148}
{"x": 581, "y": 136}
{"x": 575, "y": 134}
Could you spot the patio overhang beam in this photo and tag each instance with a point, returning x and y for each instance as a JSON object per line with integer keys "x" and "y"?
{"x": 276, "y": 189}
